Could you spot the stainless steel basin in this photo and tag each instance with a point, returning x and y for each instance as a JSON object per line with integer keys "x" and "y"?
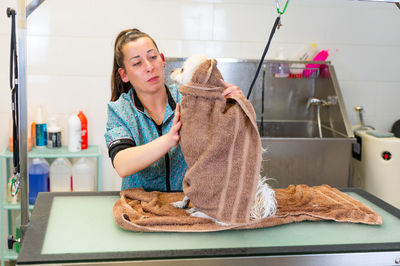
{"x": 295, "y": 154}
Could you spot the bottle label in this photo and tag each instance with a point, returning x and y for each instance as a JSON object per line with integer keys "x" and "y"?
{"x": 54, "y": 140}
{"x": 84, "y": 137}
{"x": 41, "y": 135}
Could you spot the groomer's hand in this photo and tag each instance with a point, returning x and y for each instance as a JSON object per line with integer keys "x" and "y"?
{"x": 173, "y": 134}
{"x": 231, "y": 90}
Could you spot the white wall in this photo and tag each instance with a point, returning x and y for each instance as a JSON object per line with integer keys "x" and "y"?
{"x": 70, "y": 49}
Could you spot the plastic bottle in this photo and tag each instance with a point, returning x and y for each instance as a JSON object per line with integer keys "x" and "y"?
{"x": 53, "y": 134}
{"x": 280, "y": 70}
{"x": 41, "y": 127}
{"x": 310, "y": 68}
{"x": 60, "y": 175}
{"x": 38, "y": 178}
{"x": 10, "y": 134}
{"x": 83, "y": 175}
{"x": 33, "y": 133}
{"x": 10, "y": 137}
{"x": 84, "y": 132}
{"x": 74, "y": 133}
{"x": 307, "y": 53}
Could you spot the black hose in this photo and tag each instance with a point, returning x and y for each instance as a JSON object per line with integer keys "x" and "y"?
{"x": 14, "y": 89}
{"x": 262, "y": 105}
{"x": 277, "y": 20}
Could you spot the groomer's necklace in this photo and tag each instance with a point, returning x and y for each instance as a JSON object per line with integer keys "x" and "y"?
{"x": 159, "y": 117}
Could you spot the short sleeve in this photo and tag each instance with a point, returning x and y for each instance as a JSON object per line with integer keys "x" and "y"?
{"x": 116, "y": 128}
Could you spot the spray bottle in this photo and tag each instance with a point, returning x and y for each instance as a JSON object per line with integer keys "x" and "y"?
{"x": 311, "y": 68}
{"x": 84, "y": 131}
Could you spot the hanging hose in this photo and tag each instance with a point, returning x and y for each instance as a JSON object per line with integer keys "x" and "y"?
{"x": 14, "y": 103}
{"x": 276, "y": 25}
{"x": 262, "y": 104}
{"x": 277, "y": 20}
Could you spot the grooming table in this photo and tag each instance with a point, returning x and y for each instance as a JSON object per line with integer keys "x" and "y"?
{"x": 78, "y": 227}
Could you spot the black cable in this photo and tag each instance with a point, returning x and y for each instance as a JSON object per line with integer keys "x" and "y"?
{"x": 14, "y": 89}
{"x": 262, "y": 105}
{"x": 277, "y": 20}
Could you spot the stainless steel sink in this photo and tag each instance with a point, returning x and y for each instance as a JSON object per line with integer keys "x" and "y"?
{"x": 295, "y": 154}
{"x": 305, "y": 129}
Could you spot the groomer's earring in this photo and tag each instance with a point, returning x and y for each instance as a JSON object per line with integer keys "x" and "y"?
{"x": 163, "y": 59}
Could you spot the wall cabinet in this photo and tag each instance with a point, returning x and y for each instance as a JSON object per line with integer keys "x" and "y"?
{"x": 6, "y": 208}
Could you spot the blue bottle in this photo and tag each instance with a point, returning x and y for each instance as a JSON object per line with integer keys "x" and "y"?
{"x": 38, "y": 178}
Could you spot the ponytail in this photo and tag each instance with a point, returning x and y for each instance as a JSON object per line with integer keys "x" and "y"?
{"x": 117, "y": 85}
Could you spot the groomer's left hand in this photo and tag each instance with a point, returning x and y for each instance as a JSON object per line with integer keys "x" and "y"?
{"x": 231, "y": 90}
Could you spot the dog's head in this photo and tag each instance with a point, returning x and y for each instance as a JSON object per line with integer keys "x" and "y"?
{"x": 198, "y": 69}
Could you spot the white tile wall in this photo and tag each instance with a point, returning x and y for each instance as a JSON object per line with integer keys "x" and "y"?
{"x": 70, "y": 49}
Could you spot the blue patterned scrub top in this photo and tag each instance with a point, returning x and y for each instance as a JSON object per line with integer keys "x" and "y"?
{"x": 127, "y": 119}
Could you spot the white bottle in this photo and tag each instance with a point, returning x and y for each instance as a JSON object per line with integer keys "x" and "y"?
{"x": 83, "y": 175}
{"x": 74, "y": 133}
{"x": 60, "y": 175}
{"x": 307, "y": 53}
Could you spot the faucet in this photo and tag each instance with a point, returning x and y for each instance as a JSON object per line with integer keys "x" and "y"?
{"x": 329, "y": 101}
{"x": 316, "y": 102}
{"x": 313, "y": 101}
{"x": 362, "y": 126}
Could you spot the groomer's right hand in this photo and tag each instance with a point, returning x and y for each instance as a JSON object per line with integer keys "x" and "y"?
{"x": 173, "y": 134}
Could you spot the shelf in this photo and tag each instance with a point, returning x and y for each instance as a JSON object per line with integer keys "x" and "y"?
{"x": 10, "y": 254}
{"x": 91, "y": 151}
{"x": 11, "y": 206}
{"x": 6, "y": 156}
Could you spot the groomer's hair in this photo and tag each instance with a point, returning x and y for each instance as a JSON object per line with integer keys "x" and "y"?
{"x": 117, "y": 85}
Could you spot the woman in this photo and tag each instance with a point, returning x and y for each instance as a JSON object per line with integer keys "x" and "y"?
{"x": 144, "y": 116}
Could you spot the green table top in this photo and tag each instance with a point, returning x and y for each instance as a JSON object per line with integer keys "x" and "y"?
{"x": 80, "y": 225}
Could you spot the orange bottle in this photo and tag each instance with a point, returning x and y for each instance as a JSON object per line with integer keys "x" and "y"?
{"x": 10, "y": 137}
{"x": 84, "y": 132}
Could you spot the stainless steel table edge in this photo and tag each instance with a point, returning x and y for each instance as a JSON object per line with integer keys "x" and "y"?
{"x": 345, "y": 259}
{"x": 349, "y": 254}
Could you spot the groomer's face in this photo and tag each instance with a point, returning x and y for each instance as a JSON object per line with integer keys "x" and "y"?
{"x": 144, "y": 67}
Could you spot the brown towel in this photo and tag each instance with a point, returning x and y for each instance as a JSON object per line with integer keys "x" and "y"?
{"x": 138, "y": 210}
{"x": 222, "y": 147}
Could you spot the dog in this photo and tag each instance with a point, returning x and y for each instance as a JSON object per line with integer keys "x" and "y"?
{"x": 264, "y": 204}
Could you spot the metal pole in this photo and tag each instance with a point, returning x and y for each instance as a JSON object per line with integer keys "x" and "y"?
{"x": 22, "y": 108}
{"x": 32, "y": 6}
